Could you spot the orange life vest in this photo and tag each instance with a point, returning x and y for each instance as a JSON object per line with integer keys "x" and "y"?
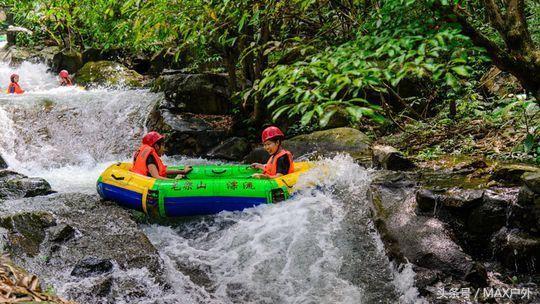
{"x": 139, "y": 161}
{"x": 270, "y": 168}
{"x": 14, "y": 88}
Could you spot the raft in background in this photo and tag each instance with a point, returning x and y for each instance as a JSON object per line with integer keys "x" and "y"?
{"x": 207, "y": 189}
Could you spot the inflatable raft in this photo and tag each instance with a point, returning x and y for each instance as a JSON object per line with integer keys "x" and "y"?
{"x": 207, "y": 189}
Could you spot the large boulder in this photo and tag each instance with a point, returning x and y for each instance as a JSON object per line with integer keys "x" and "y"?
{"x": 517, "y": 250}
{"x": 69, "y": 236}
{"x": 422, "y": 240}
{"x": 510, "y": 174}
{"x": 27, "y": 231}
{"x": 108, "y": 73}
{"x": 196, "y": 93}
{"x": 189, "y": 134}
{"x": 70, "y": 60}
{"x": 532, "y": 181}
{"x": 234, "y": 148}
{"x": 491, "y": 215}
{"x": 14, "y": 185}
{"x": 389, "y": 158}
{"x": 16, "y": 55}
{"x": 257, "y": 155}
{"x": 429, "y": 200}
{"x": 330, "y": 142}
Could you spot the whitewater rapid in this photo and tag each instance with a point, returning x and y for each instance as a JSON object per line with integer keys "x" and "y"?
{"x": 318, "y": 247}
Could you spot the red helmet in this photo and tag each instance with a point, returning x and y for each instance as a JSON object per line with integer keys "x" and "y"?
{"x": 64, "y": 74}
{"x": 272, "y": 133}
{"x": 152, "y": 138}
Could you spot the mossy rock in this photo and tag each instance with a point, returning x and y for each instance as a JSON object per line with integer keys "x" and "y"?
{"x": 532, "y": 180}
{"x": 332, "y": 141}
{"x": 510, "y": 174}
{"x": 108, "y": 73}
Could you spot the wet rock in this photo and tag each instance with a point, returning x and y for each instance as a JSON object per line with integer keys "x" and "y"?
{"x": 3, "y": 164}
{"x": 426, "y": 200}
{"x": 17, "y": 55}
{"x": 330, "y": 142}
{"x": 470, "y": 165}
{"x": 91, "y": 267}
{"x": 517, "y": 250}
{"x": 425, "y": 277}
{"x": 257, "y": 155}
{"x": 532, "y": 181}
{"x": 394, "y": 179}
{"x": 461, "y": 199}
{"x": 61, "y": 233}
{"x": 189, "y": 134}
{"x": 510, "y": 174}
{"x": 490, "y": 216}
{"x": 389, "y": 158}
{"x": 103, "y": 231}
{"x": 526, "y": 196}
{"x": 14, "y": 185}
{"x": 196, "y": 93}
{"x": 525, "y": 214}
{"x": 69, "y": 60}
{"x": 234, "y": 148}
{"x": 103, "y": 287}
{"x": 498, "y": 83}
{"x": 422, "y": 240}
{"x": 108, "y": 73}
{"x": 477, "y": 275}
{"x": 27, "y": 230}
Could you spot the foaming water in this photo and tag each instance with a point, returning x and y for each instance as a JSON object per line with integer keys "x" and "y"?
{"x": 68, "y": 135}
{"x": 295, "y": 252}
{"x": 33, "y": 77}
{"x": 320, "y": 246}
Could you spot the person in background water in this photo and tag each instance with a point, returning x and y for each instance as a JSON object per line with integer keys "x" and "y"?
{"x": 14, "y": 87}
{"x": 147, "y": 161}
{"x": 65, "y": 80}
{"x": 280, "y": 161}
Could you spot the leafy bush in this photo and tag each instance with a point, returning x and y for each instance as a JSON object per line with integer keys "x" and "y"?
{"x": 385, "y": 51}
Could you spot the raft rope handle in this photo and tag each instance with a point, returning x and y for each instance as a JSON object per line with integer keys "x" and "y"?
{"x": 284, "y": 182}
{"x": 117, "y": 178}
{"x": 143, "y": 200}
{"x": 219, "y": 172}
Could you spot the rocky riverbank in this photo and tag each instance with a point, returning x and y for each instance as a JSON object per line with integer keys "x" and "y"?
{"x": 456, "y": 227}
{"x": 464, "y": 223}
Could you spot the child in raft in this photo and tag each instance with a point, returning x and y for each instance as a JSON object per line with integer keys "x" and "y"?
{"x": 280, "y": 161}
{"x": 14, "y": 87}
{"x": 65, "y": 80}
{"x": 147, "y": 161}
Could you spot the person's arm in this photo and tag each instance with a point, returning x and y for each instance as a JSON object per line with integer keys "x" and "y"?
{"x": 186, "y": 170}
{"x": 154, "y": 172}
{"x": 257, "y": 166}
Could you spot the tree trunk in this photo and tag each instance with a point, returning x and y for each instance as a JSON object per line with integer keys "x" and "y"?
{"x": 519, "y": 56}
{"x": 230, "y": 62}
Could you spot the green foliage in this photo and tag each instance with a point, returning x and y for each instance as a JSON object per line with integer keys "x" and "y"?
{"x": 430, "y": 153}
{"x": 385, "y": 51}
{"x": 525, "y": 114}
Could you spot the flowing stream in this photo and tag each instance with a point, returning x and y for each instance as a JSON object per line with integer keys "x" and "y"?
{"x": 318, "y": 247}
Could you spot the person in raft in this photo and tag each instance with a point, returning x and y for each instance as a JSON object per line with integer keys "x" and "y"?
{"x": 65, "y": 80}
{"x": 147, "y": 161}
{"x": 14, "y": 87}
{"x": 280, "y": 161}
